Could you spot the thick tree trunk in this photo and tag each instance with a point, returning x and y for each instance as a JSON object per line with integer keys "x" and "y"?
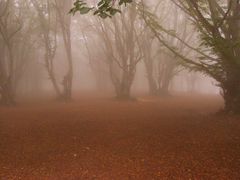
{"x": 152, "y": 85}
{"x": 55, "y": 84}
{"x": 7, "y": 94}
{"x": 123, "y": 93}
{"x": 231, "y": 90}
{"x": 123, "y": 90}
{"x": 231, "y": 95}
{"x": 232, "y": 103}
{"x": 67, "y": 88}
{"x": 163, "y": 89}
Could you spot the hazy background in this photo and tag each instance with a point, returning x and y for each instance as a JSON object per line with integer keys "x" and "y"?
{"x": 94, "y": 50}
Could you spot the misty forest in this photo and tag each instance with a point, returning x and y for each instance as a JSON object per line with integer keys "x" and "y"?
{"x": 119, "y": 89}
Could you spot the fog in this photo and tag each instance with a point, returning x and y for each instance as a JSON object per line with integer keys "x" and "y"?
{"x": 42, "y": 44}
{"x": 121, "y": 89}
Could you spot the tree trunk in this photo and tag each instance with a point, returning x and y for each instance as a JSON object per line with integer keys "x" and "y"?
{"x": 123, "y": 92}
{"x": 231, "y": 90}
{"x": 231, "y": 95}
{"x": 152, "y": 86}
{"x": 7, "y": 94}
{"x": 163, "y": 89}
{"x": 65, "y": 23}
{"x": 55, "y": 84}
{"x": 67, "y": 88}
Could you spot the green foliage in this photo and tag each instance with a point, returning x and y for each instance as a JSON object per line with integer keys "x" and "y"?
{"x": 104, "y": 9}
{"x": 80, "y": 6}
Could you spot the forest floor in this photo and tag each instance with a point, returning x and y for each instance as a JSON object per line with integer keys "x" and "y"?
{"x": 100, "y": 138}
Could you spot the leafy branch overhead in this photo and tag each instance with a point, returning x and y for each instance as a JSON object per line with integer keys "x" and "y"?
{"x": 103, "y": 9}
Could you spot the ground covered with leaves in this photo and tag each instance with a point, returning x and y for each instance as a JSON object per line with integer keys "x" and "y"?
{"x": 100, "y": 138}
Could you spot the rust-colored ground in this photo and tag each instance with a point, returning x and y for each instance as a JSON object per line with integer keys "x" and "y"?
{"x": 169, "y": 138}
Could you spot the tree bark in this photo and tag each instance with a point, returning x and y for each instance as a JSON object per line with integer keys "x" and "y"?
{"x": 231, "y": 92}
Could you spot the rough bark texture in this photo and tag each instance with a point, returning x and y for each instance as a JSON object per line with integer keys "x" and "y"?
{"x": 231, "y": 92}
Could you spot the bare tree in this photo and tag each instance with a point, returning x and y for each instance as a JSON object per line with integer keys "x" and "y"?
{"x": 10, "y": 25}
{"x": 64, "y": 19}
{"x": 121, "y": 47}
{"x": 161, "y": 64}
{"x": 48, "y": 25}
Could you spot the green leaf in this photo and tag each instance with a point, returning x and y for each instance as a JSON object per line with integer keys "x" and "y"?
{"x": 85, "y": 10}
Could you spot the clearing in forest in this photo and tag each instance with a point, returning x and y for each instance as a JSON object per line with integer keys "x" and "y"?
{"x": 98, "y": 138}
